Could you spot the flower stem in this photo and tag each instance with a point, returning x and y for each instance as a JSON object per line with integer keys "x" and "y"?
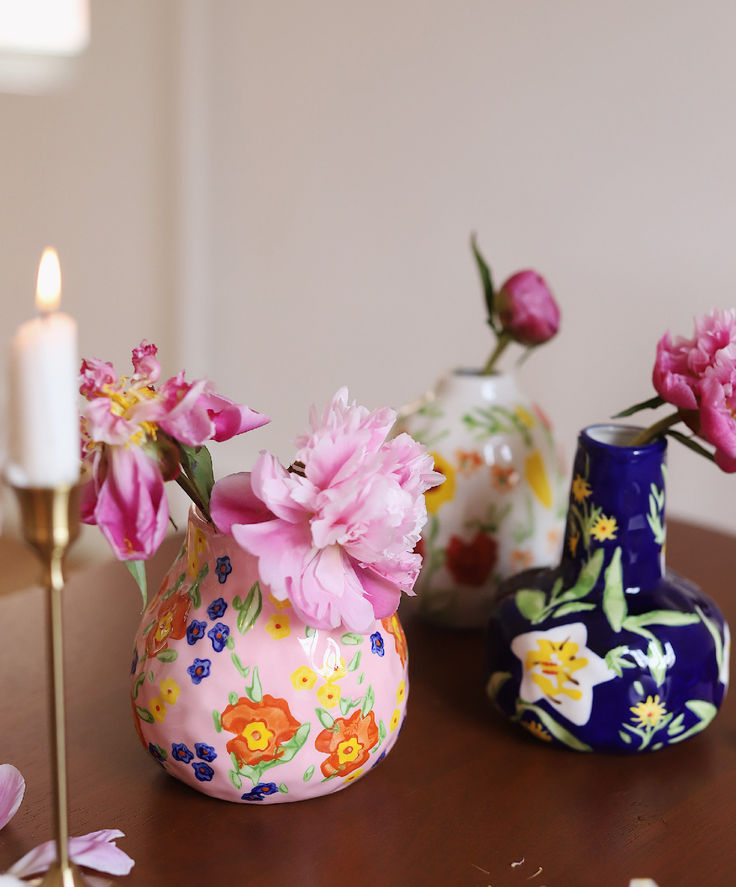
{"x": 190, "y": 489}
{"x": 504, "y": 339}
{"x": 656, "y": 430}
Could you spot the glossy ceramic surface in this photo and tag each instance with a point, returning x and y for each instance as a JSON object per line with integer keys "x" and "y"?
{"x": 608, "y": 651}
{"x": 502, "y": 506}
{"x": 237, "y": 697}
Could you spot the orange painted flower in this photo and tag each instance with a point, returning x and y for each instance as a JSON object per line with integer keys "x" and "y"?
{"x": 504, "y": 477}
{"x": 521, "y": 559}
{"x": 171, "y": 622}
{"x": 260, "y": 728}
{"x": 393, "y": 627}
{"x": 348, "y": 743}
{"x": 468, "y": 461}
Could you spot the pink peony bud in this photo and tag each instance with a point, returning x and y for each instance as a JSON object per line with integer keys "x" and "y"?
{"x": 527, "y": 310}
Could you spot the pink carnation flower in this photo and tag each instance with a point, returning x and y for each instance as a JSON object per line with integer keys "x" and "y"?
{"x": 335, "y": 534}
{"x": 125, "y": 427}
{"x": 527, "y": 309}
{"x": 681, "y": 365}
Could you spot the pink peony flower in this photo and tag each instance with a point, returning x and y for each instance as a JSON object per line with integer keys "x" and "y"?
{"x": 527, "y": 310}
{"x": 335, "y": 534}
{"x": 680, "y": 365}
{"x": 12, "y": 789}
{"x": 717, "y": 417}
{"x": 129, "y": 429}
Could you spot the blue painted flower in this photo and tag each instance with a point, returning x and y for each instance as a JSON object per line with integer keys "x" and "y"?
{"x": 218, "y": 634}
{"x": 223, "y": 570}
{"x": 259, "y": 792}
{"x": 199, "y": 670}
{"x": 179, "y": 752}
{"x": 377, "y": 643}
{"x": 206, "y": 752}
{"x": 134, "y": 663}
{"x": 217, "y": 609}
{"x": 202, "y": 771}
{"x": 195, "y": 631}
{"x": 158, "y": 753}
{"x": 378, "y": 760}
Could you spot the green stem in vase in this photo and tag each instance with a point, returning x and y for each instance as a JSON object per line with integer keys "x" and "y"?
{"x": 504, "y": 340}
{"x": 191, "y": 490}
{"x": 657, "y": 430}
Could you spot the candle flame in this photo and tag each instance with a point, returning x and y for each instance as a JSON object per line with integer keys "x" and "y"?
{"x": 48, "y": 287}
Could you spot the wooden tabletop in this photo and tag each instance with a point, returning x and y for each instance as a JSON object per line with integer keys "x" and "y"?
{"x": 462, "y": 799}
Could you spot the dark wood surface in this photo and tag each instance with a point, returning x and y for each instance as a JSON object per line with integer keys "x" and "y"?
{"x": 460, "y": 799}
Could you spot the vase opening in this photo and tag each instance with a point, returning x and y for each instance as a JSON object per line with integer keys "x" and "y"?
{"x": 620, "y": 437}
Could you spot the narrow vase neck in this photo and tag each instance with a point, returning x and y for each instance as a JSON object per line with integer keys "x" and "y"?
{"x": 617, "y": 501}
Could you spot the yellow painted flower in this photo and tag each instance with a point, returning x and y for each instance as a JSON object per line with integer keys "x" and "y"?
{"x": 437, "y": 496}
{"x": 348, "y": 750}
{"x": 356, "y": 774}
{"x": 163, "y": 629}
{"x": 303, "y": 678}
{"x": 580, "y": 488}
{"x": 257, "y": 735}
{"x": 278, "y": 626}
{"x": 279, "y": 605}
{"x": 169, "y": 691}
{"x": 395, "y": 720}
{"x": 400, "y": 692}
{"x": 573, "y": 543}
{"x": 604, "y": 528}
{"x": 556, "y": 661}
{"x": 525, "y": 416}
{"x": 196, "y": 548}
{"x": 333, "y": 665}
{"x": 649, "y": 712}
{"x": 192, "y": 564}
{"x": 157, "y": 708}
{"x": 536, "y": 729}
{"x": 199, "y": 541}
{"x": 536, "y": 476}
{"x": 329, "y": 694}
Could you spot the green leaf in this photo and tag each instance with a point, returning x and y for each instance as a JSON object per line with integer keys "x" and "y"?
{"x": 197, "y": 465}
{"x": 235, "y": 779}
{"x": 309, "y": 631}
{"x": 624, "y": 736}
{"x": 289, "y": 749}
{"x": 351, "y": 638}
{"x": 144, "y": 714}
{"x": 660, "y": 617}
{"x": 485, "y": 277}
{"x": 573, "y": 607}
{"x": 368, "y": 701}
{"x": 355, "y": 661}
{"x": 530, "y": 603}
{"x": 557, "y": 730}
{"x": 232, "y": 698}
{"x": 495, "y": 682}
{"x": 230, "y": 642}
{"x": 308, "y": 773}
{"x": 639, "y": 687}
{"x": 251, "y": 608}
{"x": 255, "y": 691}
{"x": 243, "y": 669}
{"x": 283, "y": 788}
{"x": 175, "y": 587}
{"x": 137, "y": 570}
{"x": 650, "y": 404}
{"x": 325, "y": 718}
{"x": 706, "y": 711}
{"x": 216, "y": 720}
{"x": 148, "y": 628}
{"x": 676, "y": 726}
{"x": 167, "y": 656}
{"x": 346, "y": 703}
{"x": 587, "y": 577}
{"x": 614, "y": 600}
{"x": 137, "y": 684}
{"x": 691, "y": 444}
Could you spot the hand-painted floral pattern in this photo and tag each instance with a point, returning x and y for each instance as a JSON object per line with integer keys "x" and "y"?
{"x": 249, "y": 711}
{"x": 470, "y": 563}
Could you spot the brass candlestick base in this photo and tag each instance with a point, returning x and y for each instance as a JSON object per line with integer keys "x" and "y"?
{"x": 50, "y": 524}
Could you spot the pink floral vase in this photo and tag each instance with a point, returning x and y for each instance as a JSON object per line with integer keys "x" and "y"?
{"x": 502, "y": 506}
{"x": 234, "y": 695}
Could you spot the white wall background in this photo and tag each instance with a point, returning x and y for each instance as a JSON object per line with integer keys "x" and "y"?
{"x": 281, "y": 195}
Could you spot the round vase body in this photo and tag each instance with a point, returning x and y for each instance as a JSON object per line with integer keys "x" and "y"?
{"x": 608, "y": 651}
{"x": 233, "y": 694}
{"x": 501, "y": 507}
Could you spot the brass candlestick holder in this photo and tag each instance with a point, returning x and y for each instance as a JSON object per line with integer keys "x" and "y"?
{"x": 50, "y": 524}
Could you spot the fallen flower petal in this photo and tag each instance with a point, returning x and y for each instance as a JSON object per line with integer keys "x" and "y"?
{"x": 97, "y": 850}
{"x": 12, "y": 788}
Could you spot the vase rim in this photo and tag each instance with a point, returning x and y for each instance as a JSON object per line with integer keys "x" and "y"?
{"x": 613, "y": 438}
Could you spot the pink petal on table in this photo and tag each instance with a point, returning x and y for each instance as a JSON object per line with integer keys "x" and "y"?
{"x": 97, "y": 850}
{"x": 12, "y": 788}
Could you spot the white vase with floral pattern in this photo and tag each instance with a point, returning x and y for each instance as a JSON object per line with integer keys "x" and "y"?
{"x": 501, "y": 508}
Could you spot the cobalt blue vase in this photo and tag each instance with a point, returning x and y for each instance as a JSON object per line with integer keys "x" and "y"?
{"x": 609, "y": 651}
